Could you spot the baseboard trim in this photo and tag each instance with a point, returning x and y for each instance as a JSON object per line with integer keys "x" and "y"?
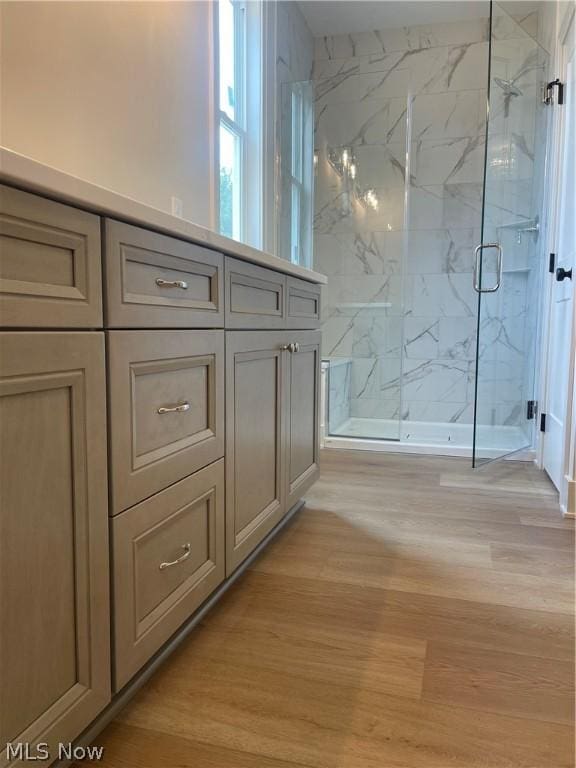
{"x": 570, "y": 509}
{"x": 122, "y": 698}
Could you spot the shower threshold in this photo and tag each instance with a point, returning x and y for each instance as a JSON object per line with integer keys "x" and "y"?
{"x": 438, "y": 439}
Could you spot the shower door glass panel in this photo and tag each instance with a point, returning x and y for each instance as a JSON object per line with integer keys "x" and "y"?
{"x": 509, "y": 263}
{"x": 360, "y": 192}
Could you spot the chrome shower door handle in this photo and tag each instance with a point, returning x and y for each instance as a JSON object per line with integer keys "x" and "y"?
{"x": 499, "y": 265}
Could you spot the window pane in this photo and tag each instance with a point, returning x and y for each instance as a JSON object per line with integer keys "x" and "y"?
{"x": 295, "y": 224}
{"x": 296, "y": 172}
{"x": 227, "y": 55}
{"x": 230, "y": 190}
{"x": 297, "y": 133}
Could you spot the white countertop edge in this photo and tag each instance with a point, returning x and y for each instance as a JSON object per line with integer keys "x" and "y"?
{"x": 29, "y": 174}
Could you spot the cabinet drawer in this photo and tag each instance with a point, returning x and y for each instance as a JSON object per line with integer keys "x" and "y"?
{"x": 155, "y": 281}
{"x": 166, "y": 395}
{"x": 50, "y": 270}
{"x": 168, "y": 556}
{"x": 255, "y": 297}
{"x": 303, "y": 304}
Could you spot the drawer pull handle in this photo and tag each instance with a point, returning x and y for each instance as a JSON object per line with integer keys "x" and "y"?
{"x": 185, "y": 556}
{"x": 292, "y": 347}
{"x": 174, "y": 408}
{"x": 171, "y": 283}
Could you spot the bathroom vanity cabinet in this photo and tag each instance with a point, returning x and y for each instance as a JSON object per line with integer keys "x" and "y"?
{"x": 159, "y": 420}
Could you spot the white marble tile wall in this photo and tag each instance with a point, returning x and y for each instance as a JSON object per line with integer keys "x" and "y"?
{"x": 400, "y": 304}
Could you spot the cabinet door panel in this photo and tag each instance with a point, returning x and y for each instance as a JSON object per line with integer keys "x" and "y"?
{"x": 303, "y": 415}
{"x": 50, "y": 263}
{"x": 255, "y": 296}
{"x": 255, "y": 385}
{"x": 54, "y": 606}
{"x": 303, "y": 300}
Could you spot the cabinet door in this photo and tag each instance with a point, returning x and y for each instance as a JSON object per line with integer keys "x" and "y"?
{"x": 302, "y": 418}
{"x": 255, "y": 413}
{"x": 54, "y": 584}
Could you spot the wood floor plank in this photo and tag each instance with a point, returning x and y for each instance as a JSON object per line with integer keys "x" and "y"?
{"x": 514, "y": 482}
{"x": 543, "y": 516}
{"x": 545, "y": 562}
{"x": 351, "y": 657}
{"x": 150, "y": 748}
{"x": 308, "y": 557}
{"x": 476, "y": 531}
{"x": 515, "y": 589}
{"x": 497, "y": 681}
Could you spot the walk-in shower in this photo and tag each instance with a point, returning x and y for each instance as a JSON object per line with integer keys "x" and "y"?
{"x": 430, "y": 342}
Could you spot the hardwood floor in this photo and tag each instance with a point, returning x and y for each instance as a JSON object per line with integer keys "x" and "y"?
{"x": 414, "y": 614}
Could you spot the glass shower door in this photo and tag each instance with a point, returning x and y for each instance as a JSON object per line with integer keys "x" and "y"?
{"x": 508, "y": 262}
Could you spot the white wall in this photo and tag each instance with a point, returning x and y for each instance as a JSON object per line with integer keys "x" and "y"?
{"x": 117, "y": 93}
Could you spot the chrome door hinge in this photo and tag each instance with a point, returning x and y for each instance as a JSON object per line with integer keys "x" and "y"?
{"x": 542, "y": 422}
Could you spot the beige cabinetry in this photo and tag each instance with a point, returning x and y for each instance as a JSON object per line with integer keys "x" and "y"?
{"x": 255, "y": 296}
{"x": 155, "y": 281}
{"x": 255, "y": 392}
{"x": 302, "y": 304}
{"x": 168, "y": 555}
{"x": 166, "y": 399}
{"x": 54, "y": 592}
{"x": 271, "y": 431}
{"x": 50, "y": 264}
{"x": 303, "y": 417}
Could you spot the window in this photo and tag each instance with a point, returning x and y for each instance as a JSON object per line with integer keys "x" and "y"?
{"x": 296, "y": 170}
{"x": 296, "y": 176}
{"x": 240, "y": 117}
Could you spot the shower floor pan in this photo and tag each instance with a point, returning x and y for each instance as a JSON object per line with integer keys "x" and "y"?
{"x": 426, "y": 437}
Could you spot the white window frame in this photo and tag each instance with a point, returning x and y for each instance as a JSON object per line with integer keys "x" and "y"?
{"x": 296, "y": 176}
{"x": 299, "y": 186}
